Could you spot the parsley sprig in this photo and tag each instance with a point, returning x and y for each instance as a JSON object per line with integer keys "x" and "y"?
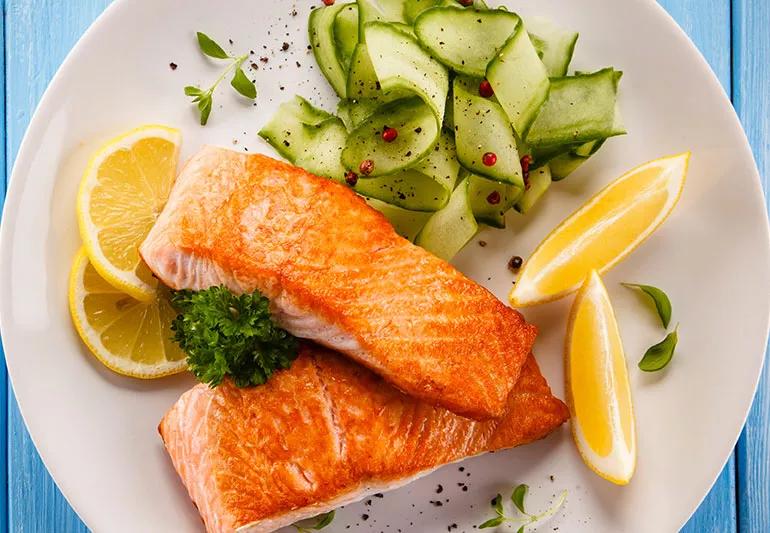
{"x": 321, "y": 522}
{"x": 524, "y": 519}
{"x": 228, "y": 335}
{"x": 240, "y": 82}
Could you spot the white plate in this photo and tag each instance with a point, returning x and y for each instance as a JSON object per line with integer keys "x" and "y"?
{"x": 97, "y": 432}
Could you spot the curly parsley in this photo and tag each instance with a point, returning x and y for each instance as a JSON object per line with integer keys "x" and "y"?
{"x": 228, "y": 335}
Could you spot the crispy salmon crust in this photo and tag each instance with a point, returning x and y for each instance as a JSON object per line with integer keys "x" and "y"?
{"x": 336, "y": 272}
{"x": 325, "y": 433}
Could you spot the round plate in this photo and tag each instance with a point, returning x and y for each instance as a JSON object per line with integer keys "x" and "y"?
{"x": 96, "y": 431}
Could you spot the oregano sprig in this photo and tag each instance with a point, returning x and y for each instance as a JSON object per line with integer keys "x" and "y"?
{"x": 321, "y": 522}
{"x": 524, "y": 519}
{"x": 240, "y": 82}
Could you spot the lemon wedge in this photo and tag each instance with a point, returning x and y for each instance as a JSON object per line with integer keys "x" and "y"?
{"x": 121, "y": 194}
{"x": 598, "y": 391}
{"x": 132, "y": 338}
{"x": 602, "y": 232}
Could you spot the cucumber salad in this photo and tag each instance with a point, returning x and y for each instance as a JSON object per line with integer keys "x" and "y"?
{"x": 450, "y": 114}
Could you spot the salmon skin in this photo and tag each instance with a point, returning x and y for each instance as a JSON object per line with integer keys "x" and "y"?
{"x": 325, "y": 433}
{"x": 336, "y": 272}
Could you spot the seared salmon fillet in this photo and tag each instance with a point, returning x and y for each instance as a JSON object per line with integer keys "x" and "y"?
{"x": 336, "y": 272}
{"x": 325, "y": 433}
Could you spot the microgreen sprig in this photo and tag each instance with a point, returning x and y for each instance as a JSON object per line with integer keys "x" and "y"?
{"x": 322, "y": 521}
{"x": 240, "y": 82}
{"x": 524, "y": 519}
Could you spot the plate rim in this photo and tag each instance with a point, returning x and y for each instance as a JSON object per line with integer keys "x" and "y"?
{"x": 25, "y": 152}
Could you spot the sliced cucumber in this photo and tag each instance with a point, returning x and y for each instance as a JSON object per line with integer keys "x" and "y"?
{"x": 406, "y": 223}
{"x": 378, "y": 11}
{"x": 413, "y": 8}
{"x": 481, "y": 126}
{"x": 579, "y": 109}
{"x": 520, "y": 80}
{"x": 321, "y": 33}
{"x": 362, "y": 79}
{"x": 417, "y": 131}
{"x": 564, "y": 165}
{"x": 441, "y": 163}
{"x": 401, "y": 64}
{"x": 346, "y": 33}
{"x": 448, "y": 230}
{"x": 490, "y": 200}
{"x": 308, "y": 137}
{"x": 588, "y": 149}
{"x": 354, "y": 112}
{"x": 544, "y": 154}
{"x": 465, "y": 40}
{"x": 538, "y": 183}
{"x": 408, "y": 189}
{"x": 554, "y": 44}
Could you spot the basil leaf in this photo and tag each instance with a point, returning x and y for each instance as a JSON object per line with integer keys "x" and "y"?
{"x": 660, "y": 355}
{"x": 204, "y": 106}
{"x": 243, "y": 85}
{"x": 662, "y": 303}
{"x": 210, "y": 48}
{"x": 492, "y": 522}
{"x": 497, "y": 504}
{"x": 324, "y": 520}
{"x": 519, "y": 493}
{"x": 521, "y": 529}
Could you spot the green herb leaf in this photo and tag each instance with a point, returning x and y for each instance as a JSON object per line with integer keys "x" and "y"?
{"x": 497, "y": 504}
{"x": 492, "y": 522}
{"x": 324, "y": 520}
{"x": 243, "y": 84}
{"x": 661, "y": 300}
{"x": 518, "y": 495}
{"x": 521, "y": 529}
{"x": 228, "y": 335}
{"x": 204, "y": 106}
{"x": 660, "y": 355}
{"x": 210, "y": 48}
{"x": 191, "y": 90}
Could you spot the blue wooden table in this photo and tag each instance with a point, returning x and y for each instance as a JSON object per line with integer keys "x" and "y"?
{"x": 732, "y": 34}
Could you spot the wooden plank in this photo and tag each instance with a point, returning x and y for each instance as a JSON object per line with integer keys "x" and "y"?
{"x": 3, "y": 378}
{"x": 707, "y": 22}
{"x": 39, "y": 33}
{"x": 751, "y": 79}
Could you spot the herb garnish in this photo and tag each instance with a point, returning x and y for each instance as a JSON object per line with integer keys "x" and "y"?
{"x": 662, "y": 303}
{"x": 660, "y": 355}
{"x": 524, "y": 519}
{"x": 228, "y": 335}
{"x": 240, "y": 82}
{"x": 323, "y": 521}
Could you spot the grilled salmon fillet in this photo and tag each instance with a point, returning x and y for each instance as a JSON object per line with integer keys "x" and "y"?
{"x": 336, "y": 272}
{"x": 325, "y": 433}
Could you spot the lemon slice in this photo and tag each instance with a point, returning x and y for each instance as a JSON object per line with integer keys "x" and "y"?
{"x": 602, "y": 232}
{"x": 121, "y": 194}
{"x": 598, "y": 391}
{"x": 132, "y": 338}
